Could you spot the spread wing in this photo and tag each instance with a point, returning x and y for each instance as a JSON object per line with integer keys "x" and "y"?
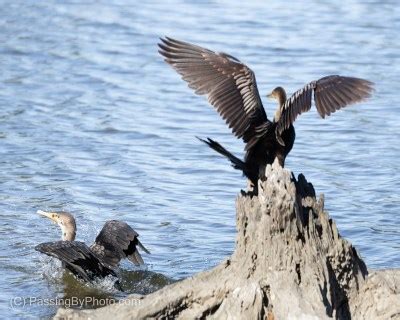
{"x": 117, "y": 241}
{"x": 77, "y": 257}
{"x": 331, "y": 93}
{"x": 229, "y": 84}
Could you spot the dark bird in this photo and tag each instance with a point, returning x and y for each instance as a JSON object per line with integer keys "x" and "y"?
{"x": 116, "y": 241}
{"x": 232, "y": 89}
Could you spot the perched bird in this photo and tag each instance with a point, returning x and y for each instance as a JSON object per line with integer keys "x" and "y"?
{"x": 116, "y": 241}
{"x": 231, "y": 88}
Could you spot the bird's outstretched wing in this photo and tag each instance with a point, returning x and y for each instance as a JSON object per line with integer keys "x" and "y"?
{"x": 229, "y": 84}
{"x": 78, "y": 258}
{"x": 117, "y": 241}
{"x": 331, "y": 93}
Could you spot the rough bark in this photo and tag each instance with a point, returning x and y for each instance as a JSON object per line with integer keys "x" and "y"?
{"x": 289, "y": 263}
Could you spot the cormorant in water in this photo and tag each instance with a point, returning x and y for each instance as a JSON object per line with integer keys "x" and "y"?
{"x": 116, "y": 241}
{"x": 231, "y": 88}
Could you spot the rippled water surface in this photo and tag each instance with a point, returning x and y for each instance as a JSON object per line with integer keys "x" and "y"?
{"x": 94, "y": 122}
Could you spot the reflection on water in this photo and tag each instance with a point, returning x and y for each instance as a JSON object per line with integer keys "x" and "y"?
{"x": 93, "y": 122}
{"x": 143, "y": 282}
{"x": 132, "y": 282}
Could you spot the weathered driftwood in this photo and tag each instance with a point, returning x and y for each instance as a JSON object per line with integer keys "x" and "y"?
{"x": 289, "y": 263}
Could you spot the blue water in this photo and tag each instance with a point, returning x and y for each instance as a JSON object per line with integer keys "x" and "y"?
{"x": 92, "y": 121}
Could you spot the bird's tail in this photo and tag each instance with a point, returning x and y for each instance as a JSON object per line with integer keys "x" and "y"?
{"x": 235, "y": 161}
{"x": 141, "y": 246}
{"x": 134, "y": 255}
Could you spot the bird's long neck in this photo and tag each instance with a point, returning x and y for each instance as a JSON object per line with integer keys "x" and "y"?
{"x": 68, "y": 233}
{"x": 281, "y": 101}
{"x": 282, "y": 98}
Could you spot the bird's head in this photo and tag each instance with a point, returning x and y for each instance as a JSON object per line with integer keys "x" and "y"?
{"x": 278, "y": 94}
{"x": 65, "y": 220}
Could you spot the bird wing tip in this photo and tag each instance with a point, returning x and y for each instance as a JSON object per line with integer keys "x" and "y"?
{"x": 202, "y": 140}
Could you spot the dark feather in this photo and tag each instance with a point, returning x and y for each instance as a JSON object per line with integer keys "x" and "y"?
{"x": 117, "y": 241}
{"x": 78, "y": 258}
{"x": 236, "y": 162}
{"x": 229, "y": 84}
{"x": 331, "y": 93}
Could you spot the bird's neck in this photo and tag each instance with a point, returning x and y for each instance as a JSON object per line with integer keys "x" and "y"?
{"x": 68, "y": 234}
{"x": 281, "y": 102}
{"x": 282, "y": 99}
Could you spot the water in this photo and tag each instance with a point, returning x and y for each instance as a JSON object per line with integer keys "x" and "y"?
{"x": 94, "y": 122}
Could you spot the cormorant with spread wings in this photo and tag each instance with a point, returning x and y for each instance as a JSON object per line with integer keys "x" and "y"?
{"x": 116, "y": 241}
{"x": 232, "y": 89}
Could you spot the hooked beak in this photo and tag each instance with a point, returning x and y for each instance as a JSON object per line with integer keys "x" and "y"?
{"x": 270, "y": 96}
{"x": 51, "y": 215}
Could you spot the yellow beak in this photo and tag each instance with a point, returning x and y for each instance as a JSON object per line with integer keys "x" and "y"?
{"x": 51, "y": 215}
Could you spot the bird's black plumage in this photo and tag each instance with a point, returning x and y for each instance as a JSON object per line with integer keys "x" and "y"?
{"x": 231, "y": 88}
{"x": 116, "y": 241}
{"x": 77, "y": 258}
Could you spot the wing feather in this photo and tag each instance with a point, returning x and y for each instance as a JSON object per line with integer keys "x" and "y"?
{"x": 230, "y": 85}
{"x": 116, "y": 241}
{"x": 331, "y": 93}
{"x": 77, "y": 257}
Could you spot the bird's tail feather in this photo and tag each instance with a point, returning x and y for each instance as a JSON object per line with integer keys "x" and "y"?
{"x": 235, "y": 161}
{"x": 141, "y": 246}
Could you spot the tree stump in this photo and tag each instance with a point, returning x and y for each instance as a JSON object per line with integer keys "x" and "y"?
{"x": 289, "y": 263}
